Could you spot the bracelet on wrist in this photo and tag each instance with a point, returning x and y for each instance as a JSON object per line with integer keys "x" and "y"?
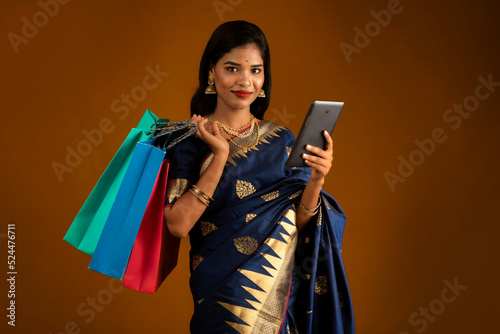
{"x": 201, "y": 195}
{"x": 313, "y": 209}
{"x": 307, "y": 214}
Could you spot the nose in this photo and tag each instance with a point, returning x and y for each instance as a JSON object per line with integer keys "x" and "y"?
{"x": 244, "y": 79}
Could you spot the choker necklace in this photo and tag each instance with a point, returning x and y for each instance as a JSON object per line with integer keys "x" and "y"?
{"x": 230, "y": 132}
{"x": 240, "y": 133}
{"x": 246, "y": 147}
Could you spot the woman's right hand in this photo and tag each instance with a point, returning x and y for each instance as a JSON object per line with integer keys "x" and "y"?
{"x": 211, "y": 136}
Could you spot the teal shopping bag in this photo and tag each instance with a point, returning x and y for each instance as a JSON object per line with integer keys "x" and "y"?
{"x": 87, "y": 227}
{"x": 111, "y": 256}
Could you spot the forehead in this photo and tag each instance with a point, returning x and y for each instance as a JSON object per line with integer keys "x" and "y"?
{"x": 249, "y": 53}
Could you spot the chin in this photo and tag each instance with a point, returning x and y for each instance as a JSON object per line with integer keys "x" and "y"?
{"x": 241, "y": 104}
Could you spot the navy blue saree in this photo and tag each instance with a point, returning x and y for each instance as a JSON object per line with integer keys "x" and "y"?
{"x": 250, "y": 270}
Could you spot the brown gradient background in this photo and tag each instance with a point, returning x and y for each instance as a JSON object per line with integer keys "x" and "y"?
{"x": 399, "y": 247}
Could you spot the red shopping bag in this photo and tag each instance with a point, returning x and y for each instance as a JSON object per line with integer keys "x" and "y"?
{"x": 155, "y": 251}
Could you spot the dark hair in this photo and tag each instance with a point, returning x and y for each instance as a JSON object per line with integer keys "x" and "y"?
{"x": 226, "y": 37}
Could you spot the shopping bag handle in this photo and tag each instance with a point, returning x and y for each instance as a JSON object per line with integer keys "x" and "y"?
{"x": 164, "y": 127}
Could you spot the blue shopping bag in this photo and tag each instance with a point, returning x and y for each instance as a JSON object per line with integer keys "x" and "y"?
{"x": 118, "y": 235}
{"x": 115, "y": 244}
{"x": 87, "y": 226}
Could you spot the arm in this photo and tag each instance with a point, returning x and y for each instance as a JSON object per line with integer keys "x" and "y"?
{"x": 320, "y": 166}
{"x": 186, "y": 211}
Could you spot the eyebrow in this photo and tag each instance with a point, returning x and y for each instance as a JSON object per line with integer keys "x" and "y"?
{"x": 236, "y": 64}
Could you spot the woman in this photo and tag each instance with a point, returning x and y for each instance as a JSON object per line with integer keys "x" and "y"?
{"x": 265, "y": 239}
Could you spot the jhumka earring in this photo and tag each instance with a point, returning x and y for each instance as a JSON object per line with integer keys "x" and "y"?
{"x": 262, "y": 93}
{"x": 210, "y": 88}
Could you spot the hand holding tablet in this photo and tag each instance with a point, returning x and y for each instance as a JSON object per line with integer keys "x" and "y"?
{"x": 322, "y": 115}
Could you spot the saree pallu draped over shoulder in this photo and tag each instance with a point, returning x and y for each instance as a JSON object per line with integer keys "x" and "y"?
{"x": 250, "y": 271}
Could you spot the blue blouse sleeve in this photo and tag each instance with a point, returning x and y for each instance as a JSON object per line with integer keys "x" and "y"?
{"x": 184, "y": 168}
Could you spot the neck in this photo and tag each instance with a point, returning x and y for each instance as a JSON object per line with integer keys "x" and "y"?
{"x": 234, "y": 118}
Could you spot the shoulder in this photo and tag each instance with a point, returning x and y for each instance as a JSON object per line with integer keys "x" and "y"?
{"x": 268, "y": 129}
{"x": 271, "y": 127}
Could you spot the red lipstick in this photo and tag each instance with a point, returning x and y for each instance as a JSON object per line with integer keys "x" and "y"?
{"x": 242, "y": 93}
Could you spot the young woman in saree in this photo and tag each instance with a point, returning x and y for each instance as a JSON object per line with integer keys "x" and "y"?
{"x": 265, "y": 238}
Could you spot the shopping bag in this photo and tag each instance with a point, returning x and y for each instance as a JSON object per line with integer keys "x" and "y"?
{"x": 155, "y": 251}
{"x": 118, "y": 235}
{"x": 87, "y": 227}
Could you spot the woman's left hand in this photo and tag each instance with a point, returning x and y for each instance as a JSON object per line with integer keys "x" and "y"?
{"x": 320, "y": 164}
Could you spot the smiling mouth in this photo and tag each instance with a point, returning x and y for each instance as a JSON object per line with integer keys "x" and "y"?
{"x": 242, "y": 93}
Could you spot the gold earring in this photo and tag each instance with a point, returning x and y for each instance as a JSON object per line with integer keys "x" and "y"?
{"x": 262, "y": 93}
{"x": 210, "y": 88}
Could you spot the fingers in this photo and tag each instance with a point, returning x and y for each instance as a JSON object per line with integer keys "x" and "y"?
{"x": 327, "y": 153}
{"x": 196, "y": 118}
{"x": 215, "y": 129}
{"x": 202, "y": 132}
{"x": 317, "y": 162}
{"x": 216, "y": 132}
{"x": 321, "y": 160}
{"x": 317, "y": 169}
{"x": 329, "y": 141}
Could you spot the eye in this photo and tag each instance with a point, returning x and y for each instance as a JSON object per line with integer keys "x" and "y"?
{"x": 256, "y": 70}
{"x": 231, "y": 69}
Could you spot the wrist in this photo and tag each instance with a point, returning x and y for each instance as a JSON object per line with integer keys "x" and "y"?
{"x": 315, "y": 184}
{"x": 220, "y": 156}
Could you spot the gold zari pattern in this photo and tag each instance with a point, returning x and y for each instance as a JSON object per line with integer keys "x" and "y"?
{"x": 320, "y": 217}
{"x": 296, "y": 194}
{"x": 250, "y": 216}
{"x": 246, "y": 245}
{"x": 244, "y": 188}
{"x": 195, "y": 262}
{"x": 266, "y": 131}
{"x": 207, "y": 227}
{"x": 267, "y": 308}
{"x": 320, "y": 285}
{"x": 270, "y": 196}
{"x": 176, "y": 188}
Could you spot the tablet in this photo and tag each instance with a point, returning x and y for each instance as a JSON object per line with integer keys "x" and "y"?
{"x": 322, "y": 115}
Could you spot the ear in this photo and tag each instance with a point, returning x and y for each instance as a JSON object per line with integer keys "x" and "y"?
{"x": 211, "y": 71}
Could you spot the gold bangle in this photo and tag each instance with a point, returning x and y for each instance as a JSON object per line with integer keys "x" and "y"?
{"x": 307, "y": 214}
{"x": 201, "y": 199}
{"x": 202, "y": 193}
{"x": 313, "y": 209}
{"x": 199, "y": 196}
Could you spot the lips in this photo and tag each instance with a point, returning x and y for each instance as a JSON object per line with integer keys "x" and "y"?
{"x": 242, "y": 93}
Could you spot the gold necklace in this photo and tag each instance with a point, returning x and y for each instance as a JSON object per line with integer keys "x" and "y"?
{"x": 246, "y": 148}
{"x": 243, "y": 134}
{"x": 236, "y": 132}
